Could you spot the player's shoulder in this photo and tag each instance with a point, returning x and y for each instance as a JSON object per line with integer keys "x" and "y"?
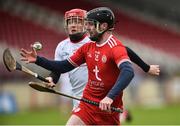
{"x": 86, "y": 39}
{"x": 89, "y": 44}
{"x": 63, "y": 43}
{"x": 113, "y": 41}
{"x": 62, "y": 46}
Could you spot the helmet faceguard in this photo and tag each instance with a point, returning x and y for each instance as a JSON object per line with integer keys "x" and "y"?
{"x": 75, "y": 16}
{"x": 96, "y": 36}
{"x": 95, "y": 23}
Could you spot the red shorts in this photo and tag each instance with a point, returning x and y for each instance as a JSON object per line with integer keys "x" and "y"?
{"x": 92, "y": 115}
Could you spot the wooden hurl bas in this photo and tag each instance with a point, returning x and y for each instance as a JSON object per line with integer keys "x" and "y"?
{"x": 41, "y": 87}
{"x": 11, "y": 65}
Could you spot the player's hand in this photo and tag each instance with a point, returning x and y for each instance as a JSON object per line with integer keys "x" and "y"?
{"x": 154, "y": 70}
{"x": 51, "y": 83}
{"x": 28, "y": 56}
{"x": 105, "y": 104}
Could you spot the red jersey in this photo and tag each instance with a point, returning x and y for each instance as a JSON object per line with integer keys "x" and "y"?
{"x": 102, "y": 62}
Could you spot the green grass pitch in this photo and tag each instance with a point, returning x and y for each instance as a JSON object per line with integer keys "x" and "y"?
{"x": 167, "y": 115}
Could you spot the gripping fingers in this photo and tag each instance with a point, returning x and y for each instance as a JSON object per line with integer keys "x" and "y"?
{"x": 157, "y": 70}
{"x": 105, "y": 106}
{"x": 154, "y": 70}
{"x": 101, "y": 106}
{"x": 109, "y": 107}
{"x": 50, "y": 84}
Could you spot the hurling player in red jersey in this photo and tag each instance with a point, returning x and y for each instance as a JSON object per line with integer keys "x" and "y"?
{"x": 109, "y": 70}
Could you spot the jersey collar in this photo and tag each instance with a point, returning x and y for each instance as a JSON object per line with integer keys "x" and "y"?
{"x": 100, "y": 45}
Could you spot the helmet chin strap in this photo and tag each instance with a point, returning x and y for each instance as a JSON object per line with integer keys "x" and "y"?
{"x": 97, "y": 38}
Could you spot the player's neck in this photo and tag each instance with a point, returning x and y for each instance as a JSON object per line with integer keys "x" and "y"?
{"x": 104, "y": 38}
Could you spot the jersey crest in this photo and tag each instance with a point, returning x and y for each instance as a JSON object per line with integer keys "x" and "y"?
{"x": 104, "y": 59}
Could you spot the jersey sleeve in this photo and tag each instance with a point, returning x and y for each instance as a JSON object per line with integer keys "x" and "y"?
{"x": 120, "y": 54}
{"x": 78, "y": 57}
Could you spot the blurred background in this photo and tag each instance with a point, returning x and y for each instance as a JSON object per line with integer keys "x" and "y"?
{"x": 150, "y": 27}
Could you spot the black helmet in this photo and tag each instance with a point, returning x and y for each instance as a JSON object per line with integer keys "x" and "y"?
{"x": 102, "y": 15}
